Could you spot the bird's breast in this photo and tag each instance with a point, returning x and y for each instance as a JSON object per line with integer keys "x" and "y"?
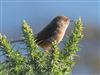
{"x": 60, "y": 34}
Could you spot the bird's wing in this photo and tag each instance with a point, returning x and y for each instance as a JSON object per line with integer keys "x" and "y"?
{"x": 46, "y": 33}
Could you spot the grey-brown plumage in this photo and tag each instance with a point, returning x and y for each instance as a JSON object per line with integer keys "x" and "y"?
{"x": 54, "y": 31}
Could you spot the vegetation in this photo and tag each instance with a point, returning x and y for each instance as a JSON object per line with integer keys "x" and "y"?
{"x": 37, "y": 61}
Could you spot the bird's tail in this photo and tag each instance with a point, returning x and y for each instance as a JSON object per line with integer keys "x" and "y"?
{"x": 16, "y": 41}
{"x": 21, "y": 40}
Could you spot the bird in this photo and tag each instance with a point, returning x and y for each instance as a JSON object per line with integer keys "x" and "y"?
{"x": 54, "y": 31}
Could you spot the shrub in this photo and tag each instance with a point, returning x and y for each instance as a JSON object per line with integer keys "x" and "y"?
{"x": 37, "y": 61}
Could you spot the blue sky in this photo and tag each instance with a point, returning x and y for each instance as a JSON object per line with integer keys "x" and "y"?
{"x": 39, "y": 14}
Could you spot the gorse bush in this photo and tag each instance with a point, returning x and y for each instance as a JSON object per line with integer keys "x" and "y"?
{"x": 39, "y": 62}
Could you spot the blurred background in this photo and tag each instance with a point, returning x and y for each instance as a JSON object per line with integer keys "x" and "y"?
{"x": 39, "y": 13}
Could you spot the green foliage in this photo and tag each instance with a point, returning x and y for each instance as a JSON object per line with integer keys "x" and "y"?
{"x": 39, "y": 62}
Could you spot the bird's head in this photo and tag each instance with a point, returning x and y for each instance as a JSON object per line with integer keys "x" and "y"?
{"x": 61, "y": 21}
